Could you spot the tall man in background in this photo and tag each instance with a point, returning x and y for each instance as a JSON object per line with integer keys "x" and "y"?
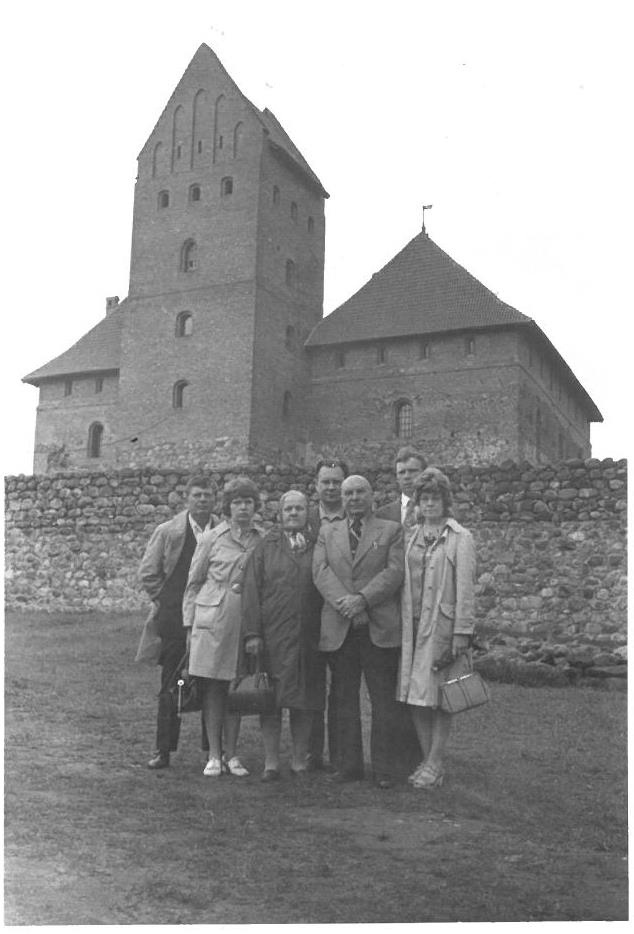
{"x": 163, "y": 573}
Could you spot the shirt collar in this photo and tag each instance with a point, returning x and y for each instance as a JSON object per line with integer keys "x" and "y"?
{"x": 196, "y": 528}
{"x": 332, "y": 516}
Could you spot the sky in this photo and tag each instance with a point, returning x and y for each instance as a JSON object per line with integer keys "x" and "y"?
{"x": 512, "y": 119}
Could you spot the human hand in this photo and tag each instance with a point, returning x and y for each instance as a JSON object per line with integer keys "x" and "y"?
{"x": 351, "y": 605}
{"x": 361, "y": 619}
{"x": 253, "y": 645}
{"x": 459, "y": 644}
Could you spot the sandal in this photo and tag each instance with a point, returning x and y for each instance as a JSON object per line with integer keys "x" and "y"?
{"x": 213, "y": 769}
{"x": 429, "y": 777}
{"x": 419, "y": 768}
{"x": 234, "y": 767}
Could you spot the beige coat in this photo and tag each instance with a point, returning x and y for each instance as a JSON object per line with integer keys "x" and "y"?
{"x": 212, "y": 601}
{"x": 447, "y": 609}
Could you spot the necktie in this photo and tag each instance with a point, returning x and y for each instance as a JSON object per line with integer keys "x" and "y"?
{"x": 409, "y": 519}
{"x": 355, "y": 534}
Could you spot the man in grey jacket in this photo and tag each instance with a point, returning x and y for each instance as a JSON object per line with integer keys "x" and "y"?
{"x": 163, "y": 573}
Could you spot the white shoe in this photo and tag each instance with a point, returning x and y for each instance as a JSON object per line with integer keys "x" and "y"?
{"x": 234, "y": 766}
{"x": 213, "y": 769}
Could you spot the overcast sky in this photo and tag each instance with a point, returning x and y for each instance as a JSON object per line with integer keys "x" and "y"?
{"x": 513, "y": 119}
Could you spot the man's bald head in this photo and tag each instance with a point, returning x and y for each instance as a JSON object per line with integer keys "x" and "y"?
{"x": 356, "y": 494}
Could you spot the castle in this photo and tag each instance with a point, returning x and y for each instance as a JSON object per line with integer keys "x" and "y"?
{"x": 220, "y": 354}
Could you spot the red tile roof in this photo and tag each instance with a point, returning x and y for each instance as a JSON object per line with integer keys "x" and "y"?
{"x": 97, "y": 351}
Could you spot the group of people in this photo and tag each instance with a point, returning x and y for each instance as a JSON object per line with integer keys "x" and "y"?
{"x": 335, "y": 591}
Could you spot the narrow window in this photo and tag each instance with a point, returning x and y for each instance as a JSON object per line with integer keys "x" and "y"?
{"x": 200, "y": 145}
{"x": 290, "y": 272}
{"x": 381, "y": 354}
{"x": 164, "y": 199}
{"x": 340, "y": 359}
{"x": 189, "y": 259}
{"x": 68, "y": 387}
{"x": 404, "y": 420}
{"x": 276, "y": 195}
{"x": 179, "y": 394}
{"x": 99, "y": 384}
{"x": 311, "y": 225}
{"x": 289, "y": 342}
{"x": 424, "y": 350}
{"x": 95, "y": 434}
{"x": 194, "y": 193}
{"x": 179, "y": 151}
{"x": 237, "y": 140}
{"x": 293, "y": 212}
{"x": 184, "y": 324}
{"x": 220, "y": 142}
{"x": 226, "y": 187}
{"x": 469, "y": 346}
{"x": 286, "y": 404}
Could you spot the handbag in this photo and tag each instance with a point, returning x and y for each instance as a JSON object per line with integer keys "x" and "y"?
{"x": 252, "y": 693}
{"x": 462, "y": 688}
{"x": 186, "y": 689}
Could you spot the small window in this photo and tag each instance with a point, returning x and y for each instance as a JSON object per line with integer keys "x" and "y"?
{"x": 180, "y": 394}
{"x": 226, "y": 187}
{"x": 381, "y": 354}
{"x": 311, "y": 225}
{"x": 189, "y": 256}
{"x": 293, "y": 211}
{"x": 99, "y": 384}
{"x": 404, "y": 420}
{"x": 276, "y": 195}
{"x": 424, "y": 350}
{"x": 200, "y": 146}
{"x": 164, "y": 199}
{"x": 95, "y": 434}
{"x": 340, "y": 359}
{"x": 237, "y": 140}
{"x": 289, "y": 342}
{"x": 68, "y": 387}
{"x": 220, "y": 142}
{"x": 286, "y": 404}
{"x": 470, "y": 346}
{"x": 184, "y": 324}
{"x": 179, "y": 151}
{"x": 290, "y": 272}
{"x": 194, "y": 193}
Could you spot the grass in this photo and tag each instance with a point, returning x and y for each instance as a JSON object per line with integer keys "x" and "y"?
{"x": 530, "y": 825}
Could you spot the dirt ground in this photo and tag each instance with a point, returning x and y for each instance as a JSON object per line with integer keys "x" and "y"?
{"x": 530, "y": 825}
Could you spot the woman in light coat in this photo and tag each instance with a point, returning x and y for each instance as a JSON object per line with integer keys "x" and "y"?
{"x": 212, "y": 613}
{"x": 437, "y": 610}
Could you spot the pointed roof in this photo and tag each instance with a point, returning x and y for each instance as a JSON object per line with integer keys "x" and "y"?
{"x": 422, "y": 290}
{"x": 97, "y": 351}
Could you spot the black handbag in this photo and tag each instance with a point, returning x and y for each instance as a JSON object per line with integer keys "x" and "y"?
{"x": 252, "y": 693}
{"x": 186, "y": 689}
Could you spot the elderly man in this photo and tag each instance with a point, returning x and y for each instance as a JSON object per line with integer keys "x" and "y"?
{"x": 408, "y": 465}
{"x": 163, "y": 573}
{"x": 329, "y": 475}
{"x": 358, "y": 568}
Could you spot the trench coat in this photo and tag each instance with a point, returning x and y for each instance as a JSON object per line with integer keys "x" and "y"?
{"x": 282, "y": 606}
{"x": 446, "y": 609}
{"x": 212, "y": 601}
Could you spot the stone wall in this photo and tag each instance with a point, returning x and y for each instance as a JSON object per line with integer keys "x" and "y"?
{"x": 551, "y": 547}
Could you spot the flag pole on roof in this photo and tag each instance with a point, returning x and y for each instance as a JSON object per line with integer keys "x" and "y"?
{"x": 426, "y": 207}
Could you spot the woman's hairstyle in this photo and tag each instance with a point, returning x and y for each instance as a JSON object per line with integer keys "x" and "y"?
{"x": 240, "y": 488}
{"x": 433, "y": 480}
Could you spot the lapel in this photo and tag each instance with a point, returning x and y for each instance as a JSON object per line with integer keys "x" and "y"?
{"x": 369, "y": 534}
{"x": 341, "y": 539}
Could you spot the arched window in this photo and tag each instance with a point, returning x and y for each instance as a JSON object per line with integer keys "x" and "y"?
{"x": 289, "y": 342}
{"x": 99, "y": 384}
{"x": 156, "y": 155}
{"x": 194, "y": 192}
{"x": 311, "y": 225}
{"x": 290, "y": 272}
{"x": 184, "y": 324}
{"x": 95, "y": 434}
{"x": 276, "y": 195}
{"x": 424, "y": 350}
{"x": 189, "y": 256}
{"x": 286, "y": 404}
{"x": 68, "y": 386}
{"x": 404, "y": 420}
{"x": 180, "y": 394}
{"x": 293, "y": 211}
{"x": 226, "y": 187}
{"x": 237, "y": 140}
{"x": 340, "y": 359}
{"x": 164, "y": 199}
{"x": 469, "y": 345}
{"x": 381, "y": 353}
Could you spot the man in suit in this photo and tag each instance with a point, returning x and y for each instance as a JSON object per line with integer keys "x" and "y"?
{"x": 329, "y": 475}
{"x": 358, "y": 568}
{"x": 163, "y": 572}
{"x": 408, "y": 465}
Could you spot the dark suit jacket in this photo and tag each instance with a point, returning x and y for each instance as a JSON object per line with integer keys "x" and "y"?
{"x": 390, "y": 511}
{"x": 376, "y": 572}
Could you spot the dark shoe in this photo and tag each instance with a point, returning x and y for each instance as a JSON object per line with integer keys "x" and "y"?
{"x": 383, "y": 783}
{"x": 270, "y": 775}
{"x": 338, "y": 778}
{"x": 160, "y": 760}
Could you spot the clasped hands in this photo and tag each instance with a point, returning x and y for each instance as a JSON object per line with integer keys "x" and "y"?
{"x": 253, "y": 645}
{"x": 354, "y": 608}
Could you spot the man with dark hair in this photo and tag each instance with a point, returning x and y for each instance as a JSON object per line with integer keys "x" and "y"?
{"x": 408, "y": 465}
{"x": 163, "y": 573}
{"x": 330, "y": 472}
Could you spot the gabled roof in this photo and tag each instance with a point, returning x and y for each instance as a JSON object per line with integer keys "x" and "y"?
{"x": 97, "y": 351}
{"x": 421, "y": 290}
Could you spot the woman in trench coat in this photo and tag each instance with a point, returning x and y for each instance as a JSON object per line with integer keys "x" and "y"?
{"x": 437, "y": 610}
{"x": 212, "y": 613}
{"x": 281, "y": 610}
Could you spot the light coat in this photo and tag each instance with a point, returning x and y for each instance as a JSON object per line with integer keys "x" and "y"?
{"x": 376, "y": 572}
{"x": 447, "y": 609}
{"x": 212, "y": 601}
